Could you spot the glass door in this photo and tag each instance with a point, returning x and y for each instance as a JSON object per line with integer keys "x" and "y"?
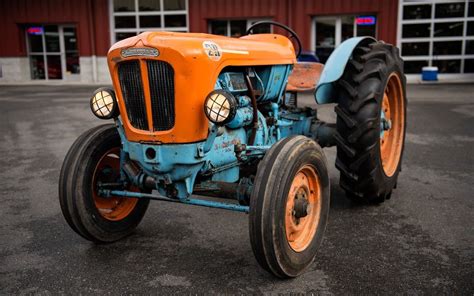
{"x": 53, "y": 52}
{"x": 71, "y": 66}
{"x": 332, "y": 31}
{"x": 36, "y": 50}
{"x": 325, "y": 37}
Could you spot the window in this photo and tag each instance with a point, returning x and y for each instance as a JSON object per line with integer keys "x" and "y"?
{"x": 416, "y": 30}
{"x": 124, "y": 5}
{"x": 437, "y": 33}
{"x": 150, "y": 21}
{"x": 71, "y": 50}
{"x": 325, "y": 37}
{"x": 469, "y": 66}
{"x": 131, "y": 17}
{"x": 445, "y": 10}
{"x": 470, "y": 28}
{"x": 416, "y": 49}
{"x": 447, "y": 47}
{"x": 414, "y": 67}
{"x": 448, "y": 66}
{"x": 413, "y": 12}
{"x": 236, "y": 28}
{"x": 332, "y": 31}
{"x": 149, "y": 5}
{"x": 470, "y": 47}
{"x": 448, "y": 29}
{"x": 219, "y": 28}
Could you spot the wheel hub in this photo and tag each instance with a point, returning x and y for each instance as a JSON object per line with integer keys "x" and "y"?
{"x": 303, "y": 209}
{"x": 300, "y": 209}
{"x": 107, "y": 171}
{"x": 386, "y": 124}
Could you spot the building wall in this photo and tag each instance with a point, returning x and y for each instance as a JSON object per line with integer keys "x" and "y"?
{"x": 298, "y": 14}
{"x": 91, "y": 18}
{"x": 14, "y": 69}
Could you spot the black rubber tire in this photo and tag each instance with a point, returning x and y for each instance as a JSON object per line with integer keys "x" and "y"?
{"x": 75, "y": 189}
{"x": 268, "y": 202}
{"x": 65, "y": 174}
{"x": 361, "y": 90}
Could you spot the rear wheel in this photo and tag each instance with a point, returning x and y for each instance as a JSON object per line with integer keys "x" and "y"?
{"x": 289, "y": 206}
{"x": 95, "y": 158}
{"x": 371, "y": 118}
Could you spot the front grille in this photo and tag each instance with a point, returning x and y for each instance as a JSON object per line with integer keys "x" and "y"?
{"x": 161, "y": 100}
{"x": 161, "y": 79}
{"x": 132, "y": 92}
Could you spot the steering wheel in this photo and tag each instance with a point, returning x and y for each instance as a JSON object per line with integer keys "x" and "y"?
{"x": 293, "y": 34}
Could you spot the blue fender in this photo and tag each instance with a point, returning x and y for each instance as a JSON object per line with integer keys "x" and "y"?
{"x": 334, "y": 68}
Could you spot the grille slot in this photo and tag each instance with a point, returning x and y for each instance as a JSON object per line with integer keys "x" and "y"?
{"x": 161, "y": 80}
{"x": 132, "y": 92}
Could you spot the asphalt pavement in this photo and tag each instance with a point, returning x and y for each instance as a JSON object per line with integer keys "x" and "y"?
{"x": 419, "y": 242}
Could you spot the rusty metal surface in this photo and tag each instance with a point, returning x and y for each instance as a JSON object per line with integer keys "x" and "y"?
{"x": 305, "y": 77}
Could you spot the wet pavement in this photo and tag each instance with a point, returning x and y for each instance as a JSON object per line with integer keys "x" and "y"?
{"x": 419, "y": 242}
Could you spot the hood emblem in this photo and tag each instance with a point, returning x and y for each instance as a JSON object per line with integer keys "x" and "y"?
{"x": 134, "y": 51}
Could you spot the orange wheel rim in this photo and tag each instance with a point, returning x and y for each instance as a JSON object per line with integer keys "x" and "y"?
{"x": 303, "y": 208}
{"x": 392, "y": 124}
{"x": 107, "y": 170}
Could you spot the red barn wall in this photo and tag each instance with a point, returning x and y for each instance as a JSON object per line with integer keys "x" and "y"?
{"x": 298, "y": 14}
{"x": 91, "y": 18}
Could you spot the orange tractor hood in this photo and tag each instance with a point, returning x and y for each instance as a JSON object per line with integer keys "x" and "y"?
{"x": 197, "y": 59}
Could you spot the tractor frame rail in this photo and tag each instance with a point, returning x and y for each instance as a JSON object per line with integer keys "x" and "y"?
{"x": 188, "y": 201}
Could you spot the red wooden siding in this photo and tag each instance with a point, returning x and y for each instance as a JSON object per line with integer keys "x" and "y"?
{"x": 91, "y": 17}
{"x": 298, "y": 14}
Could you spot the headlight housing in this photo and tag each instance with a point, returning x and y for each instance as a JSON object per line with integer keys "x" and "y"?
{"x": 103, "y": 103}
{"x": 220, "y": 107}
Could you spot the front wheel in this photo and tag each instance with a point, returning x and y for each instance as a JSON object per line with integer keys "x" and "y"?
{"x": 95, "y": 158}
{"x": 289, "y": 206}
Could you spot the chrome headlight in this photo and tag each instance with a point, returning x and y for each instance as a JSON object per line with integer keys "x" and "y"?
{"x": 220, "y": 107}
{"x": 103, "y": 103}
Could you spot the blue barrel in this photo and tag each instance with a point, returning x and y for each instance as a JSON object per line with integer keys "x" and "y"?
{"x": 429, "y": 74}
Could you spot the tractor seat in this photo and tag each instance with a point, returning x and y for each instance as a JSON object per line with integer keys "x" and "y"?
{"x": 304, "y": 77}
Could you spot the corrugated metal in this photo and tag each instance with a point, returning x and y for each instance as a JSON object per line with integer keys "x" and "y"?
{"x": 15, "y": 15}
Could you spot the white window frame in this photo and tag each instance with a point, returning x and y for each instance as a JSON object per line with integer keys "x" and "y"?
{"x": 250, "y": 21}
{"x": 162, "y": 13}
{"x": 432, "y": 39}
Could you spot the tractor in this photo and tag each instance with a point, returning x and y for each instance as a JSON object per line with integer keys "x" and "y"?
{"x": 198, "y": 118}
